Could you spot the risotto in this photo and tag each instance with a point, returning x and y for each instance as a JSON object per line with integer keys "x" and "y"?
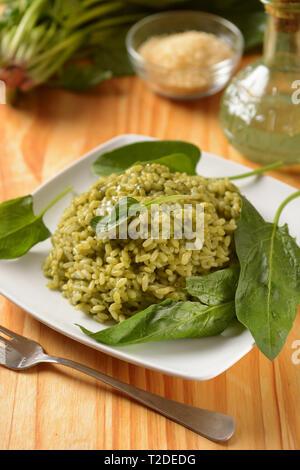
{"x": 115, "y": 278}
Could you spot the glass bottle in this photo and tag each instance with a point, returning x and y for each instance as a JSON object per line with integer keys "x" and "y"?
{"x": 260, "y": 109}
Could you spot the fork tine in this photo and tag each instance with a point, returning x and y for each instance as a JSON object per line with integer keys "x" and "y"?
{"x": 10, "y": 333}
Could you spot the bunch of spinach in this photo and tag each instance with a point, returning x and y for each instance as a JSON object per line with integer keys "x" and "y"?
{"x": 20, "y": 229}
{"x": 50, "y": 41}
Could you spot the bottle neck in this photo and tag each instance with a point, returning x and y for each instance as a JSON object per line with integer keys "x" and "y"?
{"x": 282, "y": 42}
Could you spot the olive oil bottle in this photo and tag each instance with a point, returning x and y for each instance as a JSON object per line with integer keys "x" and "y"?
{"x": 260, "y": 109}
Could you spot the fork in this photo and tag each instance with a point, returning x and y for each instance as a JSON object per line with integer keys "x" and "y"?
{"x": 18, "y": 353}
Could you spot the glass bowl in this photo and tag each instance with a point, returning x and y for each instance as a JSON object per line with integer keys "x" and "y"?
{"x": 164, "y": 80}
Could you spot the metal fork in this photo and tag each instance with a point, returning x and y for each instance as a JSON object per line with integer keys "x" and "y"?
{"x": 19, "y": 353}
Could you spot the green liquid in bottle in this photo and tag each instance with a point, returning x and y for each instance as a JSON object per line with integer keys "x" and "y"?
{"x": 259, "y": 111}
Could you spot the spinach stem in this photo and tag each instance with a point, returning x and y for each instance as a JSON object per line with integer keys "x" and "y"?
{"x": 282, "y": 206}
{"x": 93, "y": 13}
{"x": 60, "y": 46}
{"x": 259, "y": 171}
{"x": 55, "y": 200}
{"x": 26, "y": 24}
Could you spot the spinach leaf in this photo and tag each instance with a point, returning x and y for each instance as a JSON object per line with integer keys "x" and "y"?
{"x": 119, "y": 214}
{"x": 20, "y": 229}
{"x": 80, "y": 77}
{"x": 176, "y": 155}
{"x": 216, "y": 287}
{"x": 110, "y": 53}
{"x": 124, "y": 157}
{"x": 168, "y": 320}
{"x": 268, "y": 292}
{"x": 175, "y": 162}
{"x": 125, "y": 209}
{"x": 251, "y": 24}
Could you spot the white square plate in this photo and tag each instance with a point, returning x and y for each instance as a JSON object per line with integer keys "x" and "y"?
{"x": 22, "y": 280}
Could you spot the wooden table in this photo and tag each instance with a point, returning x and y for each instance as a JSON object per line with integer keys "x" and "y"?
{"x": 50, "y": 407}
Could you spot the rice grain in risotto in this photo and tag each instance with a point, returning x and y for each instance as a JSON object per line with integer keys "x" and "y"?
{"x": 114, "y": 278}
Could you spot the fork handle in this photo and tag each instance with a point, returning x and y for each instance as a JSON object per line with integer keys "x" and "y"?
{"x": 215, "y": 426}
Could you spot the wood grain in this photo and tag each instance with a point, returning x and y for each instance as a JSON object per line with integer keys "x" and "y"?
{"x": 53, "y": 408}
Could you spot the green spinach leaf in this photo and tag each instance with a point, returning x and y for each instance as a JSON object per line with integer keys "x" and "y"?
{"x": 268, "y": 292}
{"x": 80, "y": 77}
{"x": 120, "y": 213}
{"x": 216, "y": 287}
{"x": 110, "y": 53}
{"x": 175, "y": 162}
{"x": 176, "y": 155}
{"x": 168, "y": 320}
{"x": 118, "y": 160}
{"x": 20, "y": 229}
{"x": 125, "y": 209}
{"x": 251, "y": 24}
